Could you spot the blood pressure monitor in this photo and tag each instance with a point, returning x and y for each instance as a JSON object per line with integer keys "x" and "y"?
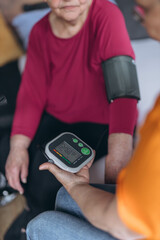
{"x": 68, "y": 152}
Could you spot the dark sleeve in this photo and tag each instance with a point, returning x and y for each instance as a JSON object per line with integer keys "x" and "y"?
{"x": 32, "y": 93}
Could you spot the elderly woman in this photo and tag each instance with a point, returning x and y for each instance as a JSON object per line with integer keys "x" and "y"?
{"x": 63, "y": 89}
{"x": 134, "y": 208}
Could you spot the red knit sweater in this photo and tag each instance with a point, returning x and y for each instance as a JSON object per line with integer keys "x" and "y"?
{"x": 64, "y": 76}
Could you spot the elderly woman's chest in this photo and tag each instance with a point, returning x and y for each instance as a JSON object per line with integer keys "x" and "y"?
{"x": 74, "y": 73}
{"x": 74, "y": 58}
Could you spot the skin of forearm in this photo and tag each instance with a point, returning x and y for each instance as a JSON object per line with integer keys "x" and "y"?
{"x": 116, "y": 226}
{"x": 120, "y": 148}
{"x": 100, "y": 209}
{"x": 93, "y": 203}
{"x": 19, "y": 141}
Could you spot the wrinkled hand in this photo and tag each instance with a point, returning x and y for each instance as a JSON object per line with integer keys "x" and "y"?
{"x": 67, "y": 179}
{"x": 17, "y": 168}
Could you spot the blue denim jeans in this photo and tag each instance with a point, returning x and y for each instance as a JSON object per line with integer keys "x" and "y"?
{"x": 66, "y": 222}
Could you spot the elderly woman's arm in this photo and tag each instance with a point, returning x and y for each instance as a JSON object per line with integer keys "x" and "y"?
{"x": 120, "y": 148}
{"x": 18, "y": 161}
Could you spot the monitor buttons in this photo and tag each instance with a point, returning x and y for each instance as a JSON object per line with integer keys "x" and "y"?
{"x": 85, "y": 151}
{"x": 80, "y": 144}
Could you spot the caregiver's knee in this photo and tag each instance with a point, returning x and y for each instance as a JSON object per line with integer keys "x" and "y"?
{"x": 35, "y": 225}
{"x": 61, "y": 198}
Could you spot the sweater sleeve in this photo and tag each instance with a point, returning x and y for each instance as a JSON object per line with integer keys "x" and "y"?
{"x": 123, "y": 115}
{"x": 115, "y": 42}
{"x": 31, "y": 97}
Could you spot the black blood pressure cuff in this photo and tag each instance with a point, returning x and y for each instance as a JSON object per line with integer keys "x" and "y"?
{"x": 120, "y": 77}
